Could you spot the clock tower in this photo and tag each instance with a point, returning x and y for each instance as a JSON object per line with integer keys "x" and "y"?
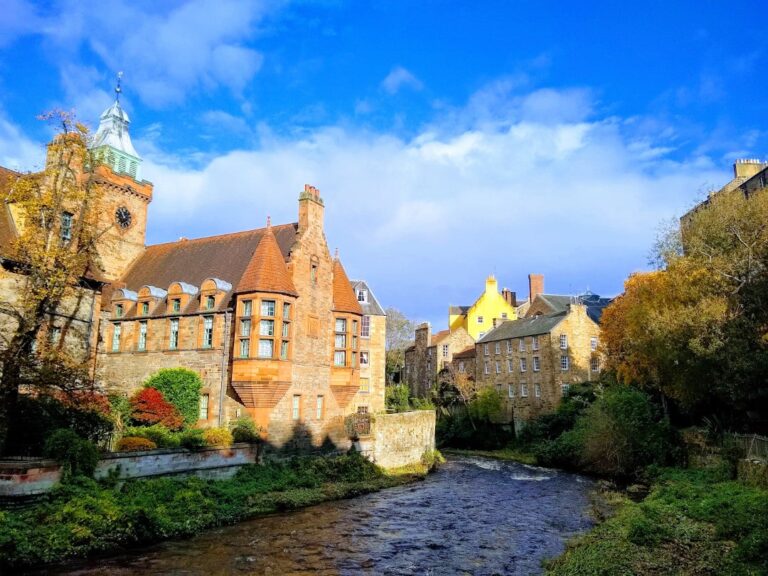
{"x": 124, "y": 194}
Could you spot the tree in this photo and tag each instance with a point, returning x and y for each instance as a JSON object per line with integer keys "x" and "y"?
{"x": 150, "y": 407}
{"x": 57, "y": 210}
{"x": 400, "y": 332}
{"x": 181, "y": 387}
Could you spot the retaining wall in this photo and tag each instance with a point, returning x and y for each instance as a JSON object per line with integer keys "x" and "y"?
{"x": 399, "y": 439}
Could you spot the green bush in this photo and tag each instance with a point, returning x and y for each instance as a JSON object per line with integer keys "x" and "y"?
{"x": 398, "y": 398}
{"x": 77, "y": 456}
{"x": 550, "y": 426}
{"x": 245, "y": 430}
{"x": 181, "y": 387}
{"x": 157, "y": 433}
{"x": 192, "y": 439}
{"x": 562, "y": 452}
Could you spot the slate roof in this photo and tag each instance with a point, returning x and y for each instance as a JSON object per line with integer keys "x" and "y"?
{"x": 267, "y": 272}
{"x": 344, "y": 299}
{"x": 460, "y": 310}
{"x": 556, "y": 302}
{"x": 595, "y": 304}
{"x": 372, "y": 307}
{"x": 192, "y": 261}
{"x": 524, "y": 327}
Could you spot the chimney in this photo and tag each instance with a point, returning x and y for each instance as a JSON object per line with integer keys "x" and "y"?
{"x": 311, "y": 209}
{"x": 535, "y": 285}
{"x": 509, "y": 296}
{"x": 747, "y": 167}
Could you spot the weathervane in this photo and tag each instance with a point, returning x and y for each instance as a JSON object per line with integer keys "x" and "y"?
{"x": 118, "y": 88}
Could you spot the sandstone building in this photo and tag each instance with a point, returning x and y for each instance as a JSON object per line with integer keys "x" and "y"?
{"x": 267, "y": 317}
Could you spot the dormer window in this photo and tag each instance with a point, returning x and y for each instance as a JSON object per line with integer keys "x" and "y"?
{"x": 176, "y": 305}
{"x": 144, "y": 308}
{"x": 118, "y": 311}
{"x": 210, "y": 302}
{"x": 66, "y": 226}
{"x": 362, "y": 295}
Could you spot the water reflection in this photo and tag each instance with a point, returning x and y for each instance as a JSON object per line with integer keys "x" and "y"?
{"x": 475, "y": 516}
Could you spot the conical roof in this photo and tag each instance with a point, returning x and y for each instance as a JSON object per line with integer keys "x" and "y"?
{"x": 113, "y": 130}
{"x": 344, "y": 299}
{"x": 267, "y": 272}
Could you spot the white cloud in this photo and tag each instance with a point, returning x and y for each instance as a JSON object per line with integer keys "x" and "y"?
{"x": 399, "y": 78}
{"x": 17, "y": 151}
{"x": 426, "y": 219}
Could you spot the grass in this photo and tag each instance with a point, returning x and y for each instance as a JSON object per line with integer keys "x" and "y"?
{"x": 513, "y": 454}
{"x": 84, "y": 517}
{"x": 694, "y": 522}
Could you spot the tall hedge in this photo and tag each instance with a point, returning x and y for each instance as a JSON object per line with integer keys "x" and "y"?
{"x": 181, "y": 387}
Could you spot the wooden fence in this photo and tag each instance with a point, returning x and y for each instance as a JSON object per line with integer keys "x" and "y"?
{"x": 755, "y": 447}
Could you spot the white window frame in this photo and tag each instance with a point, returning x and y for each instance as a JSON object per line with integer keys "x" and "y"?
{"x": 563, "y": 341}
{"x": 564, "y": 387}
{"x": 264, "y": 345}
{"x": 365, "y": 327}
{"x": 498, "y": 366}
{"x": 445, "y": 350}
{"x": 521, "y": 345}
{"x": 565, "y": 363}
{"x": 207, "y": 331}
{"x": 173, "y": 341}
{"x": 593, "y": 342}
{"x": 296, "y": 407}
{"x": 510, "y": 365}
{"x": 268, "y": 308}
{"x": 509, "y": 346}
{"x": 497, "y": 348}
{"x": 487, "y": 367}
{"x": 534, "y": 343}
{"x": 486, "y": 350}
{"x": 536, "y": 363}
{"x": 511, "y": 390}
{"x": 116, "y": 331}
{"x": 594, "y": 364}
{"x": 205, "y": 401}
{"x": 319, "y": 407}
{"x": 523, "y": 365}
{"x": 523, "y": 390}
{"x": 143, "y": 328}
{"x": 537, "y": 390}
{"x": 364, "y": 358}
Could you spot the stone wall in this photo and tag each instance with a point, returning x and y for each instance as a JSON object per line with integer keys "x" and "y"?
{"x": 400, "y": 439}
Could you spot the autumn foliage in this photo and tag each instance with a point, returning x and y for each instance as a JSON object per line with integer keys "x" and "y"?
{"x": 150, "y": 407}
{"x": 135, "y": 444}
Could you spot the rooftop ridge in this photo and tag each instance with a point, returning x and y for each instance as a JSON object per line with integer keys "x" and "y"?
{"x": 222, "y": 236}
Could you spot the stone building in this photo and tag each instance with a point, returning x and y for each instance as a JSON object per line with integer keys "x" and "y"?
{"x": 267, "y": 317}
{"x": 533, "y": 361}
{"x": 489, "y": 308}
{"x": 431, "y": 353}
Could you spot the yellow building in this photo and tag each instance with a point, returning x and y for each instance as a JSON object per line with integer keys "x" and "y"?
{"x": 487, "y": 311}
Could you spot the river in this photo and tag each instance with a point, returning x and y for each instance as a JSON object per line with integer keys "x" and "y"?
{"x": 474, "y": 516}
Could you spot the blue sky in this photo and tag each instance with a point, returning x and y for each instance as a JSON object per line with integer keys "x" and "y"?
{"x": 449, "y": 139}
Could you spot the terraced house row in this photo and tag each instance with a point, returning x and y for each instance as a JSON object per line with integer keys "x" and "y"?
{"x": 267, "y": 317}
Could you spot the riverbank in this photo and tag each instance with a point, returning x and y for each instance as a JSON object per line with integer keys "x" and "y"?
{"x": 84, "y": 518}
{"x": 508, "y": 454}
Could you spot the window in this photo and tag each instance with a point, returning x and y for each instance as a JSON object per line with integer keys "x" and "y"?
{"x": 283, "y": 350}
{"x": 266, "y": 348}
{"x": 176, "y": 305}
{"x": 320, "y": 407}
{"x": 537, "y": 390}
{"x": 479, "y": 319}
{"x": 365, "y": 385}
{"x": 121, "y": 164}
{"x": 445, "y": 350}
{"x": 354, "y": 342}
{"x": 509, "y": 346}
{"x": 523, "y": 390}
{"x": 511, "y": 390}
{"x": 563, "y": 362}
{"x": 143, "y": 335}
{"x": 497, "y": 349}
{"x": 535, "y": 343}
{"x": 144, "y": 308}
{"x": 523, "y": 365}
{"x": 521, "y": 346}
{"x": 340, "y": 358}
{"x": 498, "y": 367}
{"x": 363, "y": 358}
{"x": 354, "y": 359}
{"x": 66, "y": 226}
{"x": 365, "y": 327}
{"x": 204, "y": 401}
{"x": 247, "y": 307}
{"x": 593, "y": 343}
{"x": 210, "y": 302}
{"x": 268, "y": 308}
{"x": 116, "y": 338}
{"x": 461, "y": 366}
{"x": 354, "y": 327}
{"x": 296, "y": 407}
{"x": 486, "y": 368}
{"x": 563, "y": 342}
{"x": 245, "y": 327}
{"x": 286, "y": 329}
{"x": 119, "y": 311}
{"x": 503, "y": 315}
{"x": 267, "y": 328}
{"x": 207, "y": 331}
{"x": 313, "y": 273}
{"x": 340, "y": 341}
{"x": 341, "y": 325}
{"x": 536, "y": 363}
{"x": 594, "y": 364}
{"x": 362, "y": 409}
{"x": 245, "y": 347}
{"x": 564, "y": 389}
{"x": 510, "y": 365}
{"x": 174, "y": 340}
{"x": 362, "y": 296}
{"x": 286, "y": 311}
{"x": 485, "y": 349}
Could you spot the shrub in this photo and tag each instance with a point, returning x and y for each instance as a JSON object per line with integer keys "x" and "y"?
{"x": 397, "y": 398}
{"x": 157, "y": 433}
{"x": 150, "y": 407}
{"x": 245, "y": 430}
{"x": 562, "y": 452}
{"x": 77, "y": 456}
{"x": 135, "y": 444}
{"x": 192, "y": 439}
{"x": 181, "y": 387}
{"x": 217, "y": 437}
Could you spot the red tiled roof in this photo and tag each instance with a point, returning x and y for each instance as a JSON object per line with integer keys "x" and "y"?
{"x": 344, "y": 299}
{"x": 192, "y": 261}
{"x": 466, "y": 353}
{"x": 437, "y": 336}
{"x": 267, "y": 272}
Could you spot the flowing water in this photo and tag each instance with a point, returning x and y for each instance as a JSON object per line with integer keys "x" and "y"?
{"x": 474, "y": 516}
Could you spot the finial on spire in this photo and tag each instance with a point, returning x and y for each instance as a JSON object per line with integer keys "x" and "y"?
{"x": 269, "y": 222}
{"x": 337, "y": 254}
{"x": 118, "y": 87}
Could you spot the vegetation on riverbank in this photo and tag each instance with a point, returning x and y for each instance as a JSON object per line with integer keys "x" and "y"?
{"x": 509, "y": 454}
{"x": 693, "y": 522}
{"x": 84, "y": 517}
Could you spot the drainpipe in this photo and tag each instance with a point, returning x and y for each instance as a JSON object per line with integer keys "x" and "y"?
{"x": 224, "y": 364}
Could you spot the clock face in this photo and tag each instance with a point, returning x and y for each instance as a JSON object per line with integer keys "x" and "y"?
{"x": 123, "y": 217}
